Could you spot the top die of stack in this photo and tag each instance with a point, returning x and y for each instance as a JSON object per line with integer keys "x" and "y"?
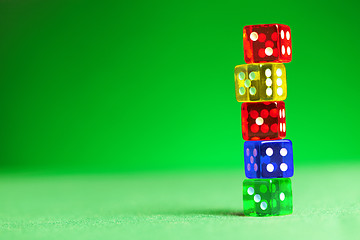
{"x": 267, "y": 43}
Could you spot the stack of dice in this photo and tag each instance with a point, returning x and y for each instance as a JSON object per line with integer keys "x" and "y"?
{"x": 261, "y": 86}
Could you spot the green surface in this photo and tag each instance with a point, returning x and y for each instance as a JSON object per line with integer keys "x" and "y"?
{"x": 130, "y": 85}
{"x": 192, "y": 205}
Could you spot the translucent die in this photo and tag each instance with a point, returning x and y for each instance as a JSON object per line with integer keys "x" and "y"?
{"x": 268, "y": 159}
{"x": 267, "y": 197}
{"x": 267, "y": 43}
{"x": 260, "y": 82}
{"x": 263, "y": 120}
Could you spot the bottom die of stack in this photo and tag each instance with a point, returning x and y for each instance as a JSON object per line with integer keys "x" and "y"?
{"x": 267, "y": 197}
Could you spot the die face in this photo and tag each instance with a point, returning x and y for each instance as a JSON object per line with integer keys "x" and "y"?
{"x": 262, "y": 120}
{"x": 267, "y": 197}
{"x": 247, "y": 83}
{"x": 262, "y": 43}
{"x": 285, "y": 45}
{"x": 276, "y": 159}
{"x": 252, "y": 159}
{"x": 273, "y": 85}
{"x": 260, "y": 82}
{"x": 281, "y": 203}
{"x": 281, "y": 120}
{"x": 256, "y": 197}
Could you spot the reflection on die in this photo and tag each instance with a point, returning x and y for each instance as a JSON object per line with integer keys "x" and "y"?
{"x": 260, "y": 82}
{"x": 263, "y": 120}
{"x": 267, "y": 197}
{"x": 268, "y": 159}
{"x": 267, "y": 43}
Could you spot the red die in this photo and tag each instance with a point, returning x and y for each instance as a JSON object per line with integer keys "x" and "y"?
{"x": 267, "y": 43}
{"x": 263, "y": 120}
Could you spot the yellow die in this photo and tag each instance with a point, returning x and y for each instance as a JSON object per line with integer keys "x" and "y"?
{"x": 260, "y": 82}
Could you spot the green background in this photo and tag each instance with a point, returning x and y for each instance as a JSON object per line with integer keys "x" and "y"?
{"x": 119, "y": 119}
{"x": 148, "y": 85}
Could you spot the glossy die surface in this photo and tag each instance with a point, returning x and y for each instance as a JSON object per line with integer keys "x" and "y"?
{"x": 263, "y": 120}
{"x": 267, "y": 197}
{"x": 267, "y": 43}
{"x": 268, "y": 159}
{"x": 260, "y": 82}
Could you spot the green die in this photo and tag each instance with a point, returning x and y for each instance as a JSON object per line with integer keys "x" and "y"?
{"x": 267, "y": 197}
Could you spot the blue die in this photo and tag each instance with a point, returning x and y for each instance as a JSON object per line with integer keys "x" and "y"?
{"x": 268, "y": 159}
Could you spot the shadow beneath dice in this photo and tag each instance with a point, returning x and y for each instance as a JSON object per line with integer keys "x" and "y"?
{"x": 219, "y": 212}
{"x": 213, "y": 212}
